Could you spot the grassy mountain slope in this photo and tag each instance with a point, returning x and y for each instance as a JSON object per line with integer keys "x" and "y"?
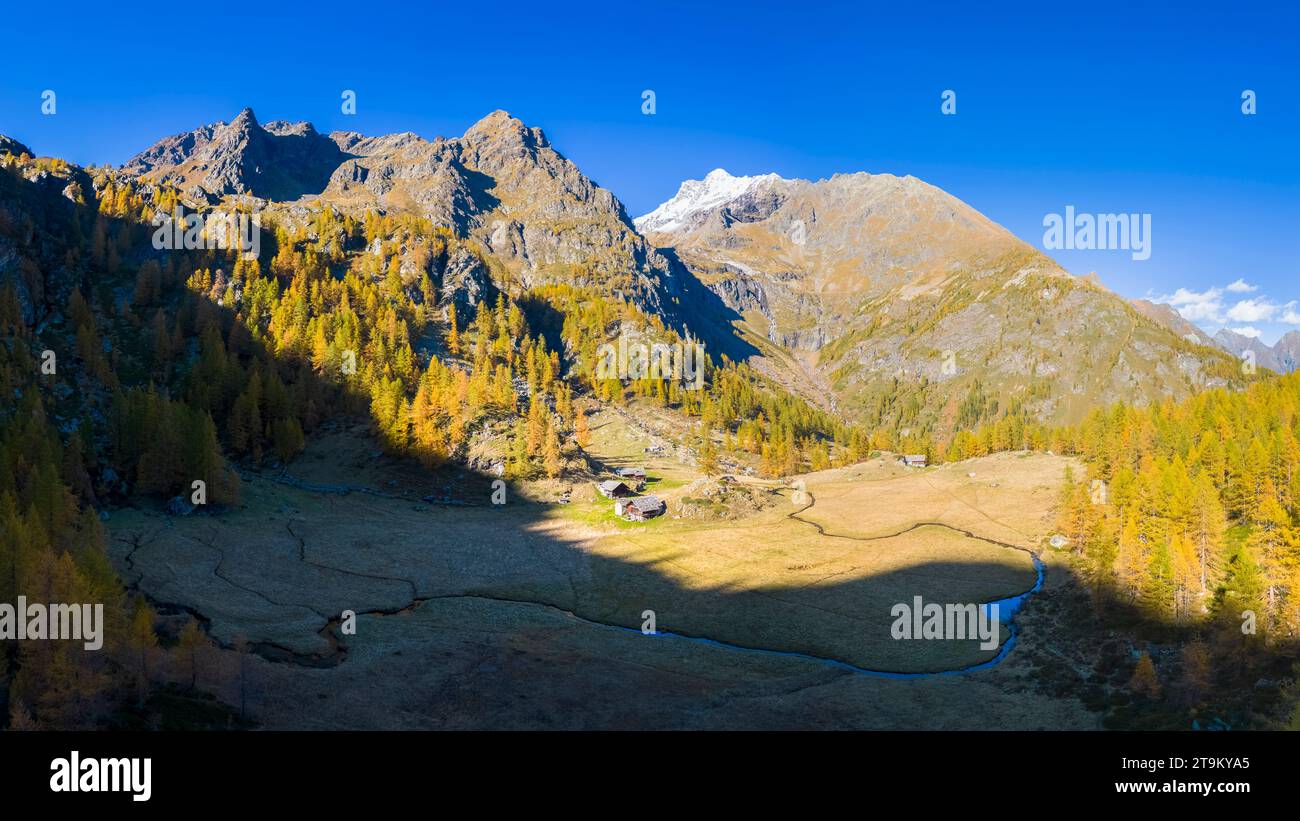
{"x": 915, "y": 309}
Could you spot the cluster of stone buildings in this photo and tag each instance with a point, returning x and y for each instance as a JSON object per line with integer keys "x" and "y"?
{"x": 627, "y": 504}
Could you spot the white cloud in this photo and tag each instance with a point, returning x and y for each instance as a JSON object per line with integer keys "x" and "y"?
{"x": 1203, "y": 306}
{"x": 1208, "y": 308}
{"x": 1252, "y": 310}
{"x": 1290, "y": 315}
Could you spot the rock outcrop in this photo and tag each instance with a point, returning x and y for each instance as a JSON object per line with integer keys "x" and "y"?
{"x": 279, "y": 161}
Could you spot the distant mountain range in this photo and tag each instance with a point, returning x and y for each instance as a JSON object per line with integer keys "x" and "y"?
{"x": 880, "y": 297}
{"x": 1282, "y": 357}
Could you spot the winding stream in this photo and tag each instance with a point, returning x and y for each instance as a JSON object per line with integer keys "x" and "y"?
{"x": 1006, "y": 611}
{"x": 1007, "y": 608}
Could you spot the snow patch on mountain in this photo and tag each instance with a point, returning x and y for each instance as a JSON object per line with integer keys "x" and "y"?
{"x": 696, "y": 196}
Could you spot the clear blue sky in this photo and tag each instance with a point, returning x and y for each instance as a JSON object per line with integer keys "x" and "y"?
{"x": 1124, "y": 107}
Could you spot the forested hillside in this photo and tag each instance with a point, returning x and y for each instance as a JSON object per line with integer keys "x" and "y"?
{"x": 136, "y": 373}
{"x": 1185, "y": 527}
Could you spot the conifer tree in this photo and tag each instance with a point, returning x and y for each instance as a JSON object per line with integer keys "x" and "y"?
{"x": 1145, "y": 682}
{"x": 551, "y": 452}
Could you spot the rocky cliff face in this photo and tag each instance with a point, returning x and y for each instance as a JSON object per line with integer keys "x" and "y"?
{"x": 895, "y": 293}
{"x": 502, "y": 185}
{"x": 466, "y": 282}
{"x": 278, "y": 161}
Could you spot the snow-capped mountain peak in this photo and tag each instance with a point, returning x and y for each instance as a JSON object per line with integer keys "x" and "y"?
{"x": 695, "y": 196}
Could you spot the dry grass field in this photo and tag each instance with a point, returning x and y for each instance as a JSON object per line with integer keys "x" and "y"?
{"x": 528, "y": 614}
{"x": 1007, "y": 497}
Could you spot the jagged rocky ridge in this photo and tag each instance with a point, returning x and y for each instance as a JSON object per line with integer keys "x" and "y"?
{"x": 501, "y": 185}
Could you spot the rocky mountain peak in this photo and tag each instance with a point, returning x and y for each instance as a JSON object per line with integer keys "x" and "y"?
{"x": 281, "y": 161}
{"x": 282, "y": 128}
{"x": 1165, "y": 315}
{"x": 500, "y": 143}
{"x": 8, "y": 145}
{"x": 1282, "y": 357}
{"x": 696, "y": 197}
{"x": 245, "y": 120}
{"x": 1286, "y": 351}
{"x": 865, "y": 279}
{"x": 499, "y": 127}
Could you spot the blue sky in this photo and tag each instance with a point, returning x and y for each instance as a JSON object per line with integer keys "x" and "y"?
{"x": 1111, "y": 108}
